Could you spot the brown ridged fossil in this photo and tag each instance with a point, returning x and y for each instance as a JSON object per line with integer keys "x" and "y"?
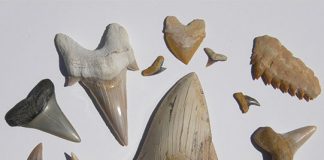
{"x": 278, "y": 67}
{"x": 245, "y": 101}
{"x": 281, "y": 146}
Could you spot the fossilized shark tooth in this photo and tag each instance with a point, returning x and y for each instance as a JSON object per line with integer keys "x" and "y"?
{"x": 179, "y": 127}
{"x": 37, "y": 153}
{"x": 40, "y": 110}
{"x": 102, "y": 73}
{"x": 278, "y": 67}
{"x": 155, "y": 68}
{"x": 245, "y": 101}
{"x": 281, "y": 146}
{"x": 213, "y": 56}
{"x": 183, "y": 40}
{"x": 72, "y": 157}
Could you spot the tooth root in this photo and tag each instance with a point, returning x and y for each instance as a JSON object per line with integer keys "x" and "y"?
{"x": 41, "y": 111}
{"x": 282, "y": 146}
{"x": 179, "y": 127}
{"x": 37, "y": 153}
{"x": 245, "y": 101}
{"x": 109, "y": 96}
{"x": 155, "y": 68}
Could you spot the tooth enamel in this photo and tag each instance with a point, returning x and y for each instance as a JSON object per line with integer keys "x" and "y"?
{"x": 179, "y": 127}
{"x": 37, "y": 153}
{"x": 155, "y": 68}
{"x": 40, "y": 110}
{"x": 183, "y": 40}
{"x": 213, "y": 57}
{"x": 245, "y": 101}
{"x": 102, "y": 72}
{"x": 281, "y": 146}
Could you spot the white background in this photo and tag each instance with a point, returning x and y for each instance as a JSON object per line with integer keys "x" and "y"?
{"x": 27, "y": 30}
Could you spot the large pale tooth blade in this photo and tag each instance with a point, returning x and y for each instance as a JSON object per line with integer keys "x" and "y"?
{"x": 179, "y": 127}
{"x": 37, "y": 153}
{"x": 41, "y": 111}
{"x": 109, "y": 96}
{"x": 298, "y": 137}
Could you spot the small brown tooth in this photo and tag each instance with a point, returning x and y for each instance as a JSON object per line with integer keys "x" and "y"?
{"x": 245, "y": 101}
{"x": 267, "y": 77}
{"x": 300, "y": 94}
{"x": 275, "y": 83}
{"x": 292, "y": 90}
{"x": 306, "y": 97}
{"x": 284, "y": 87}
{"x": 256, "y": 71}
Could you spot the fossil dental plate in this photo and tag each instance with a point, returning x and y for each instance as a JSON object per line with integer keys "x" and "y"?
{"x": 245, "y": 101}
{"x": 40, "y": 110}
{"x": 213, "y": 56}
{"x": 183, "y": 40}
{"x": 278, "y": 67}
{"x": 281, "y": 146}
{"x": 102, "y": 73}
{"x": 155, "y": 68}
{"x": 36, "y": 153}
{"x": 179, "y": 127}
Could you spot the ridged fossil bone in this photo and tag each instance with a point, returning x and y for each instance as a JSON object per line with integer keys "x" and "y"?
{"x": 278, "y": 67}
{"x": 245, "y": 101}
{"x": 37, "y": 153}
{"x": 102, "y": 73}
{"x": 179, "y": 127}
{"x": 281, "y": 146}
{"x": 155, "y": 68}
{"x": 40, "y": 110}
{"x": 183, "y": 40}
{"x": 213, "y": 56}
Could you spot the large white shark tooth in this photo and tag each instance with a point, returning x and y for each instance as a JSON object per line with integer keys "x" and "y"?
{"x": 281, "y": 146}
{"x": 37, "y": 153}
{"x": 40, "y": 110}
{"x": 179, "y": 127}
{"x": 102, "y": 73}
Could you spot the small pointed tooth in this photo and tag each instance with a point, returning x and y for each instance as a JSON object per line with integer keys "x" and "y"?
{"x": 213, "y": 57}
{"x": 284, "y": 87}
{"x": 109, "y": 97}
{"x": 37, "y": 153}
{"x": 292, "y": 90}
{"x": 282, "y": 146}
{"x": 300, "y": 94}
{"x": 256, "y": 71}
{"x": 41, "y": 111}
{"x": 251, "y": 101}
{"x": 267, "y": 77}
{"x": 275, "y": 83}
{"x": 245, "y": 101}
{"x": 179, "y": 128}
{"x": 155, "y": 68}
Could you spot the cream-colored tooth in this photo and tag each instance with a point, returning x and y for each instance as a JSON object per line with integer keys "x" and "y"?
{"x": 109, "y": 97}
{"x": 40, "y": 110}
{"x": 179, "y": 127}
{"x": 298, "y": 137}
{"x": 74, "y": 157}
{"x": 37, "y": 153}
{"x": 213, "y": 57}
{"x": 281, "y": 146}
{"x": 102, "y": 73}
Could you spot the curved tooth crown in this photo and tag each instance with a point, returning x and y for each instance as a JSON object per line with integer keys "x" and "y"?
{"x": 245, "y": 101}
{"x": 179, "y": 128}
{"x": 282, "y": 146}
{"x": 102, "y": 73}
{"x": 40, "y": 110}
{"x": 37, "y": 153}
{"x": 155, "y": 68}
{"x": 278, "y": 67}
{"x": 183, "y": 40}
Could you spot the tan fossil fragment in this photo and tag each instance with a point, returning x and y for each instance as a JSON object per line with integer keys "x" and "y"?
{"x": 183, "y": 40}
{"x": 281, "y": 146}
{"x": 244, "y": 101}
{"x": 37, "y": 153}
{"x": 102, "y": 73}
{"x": 213, "y": 56}
{"x": 278, "y": 67}
{"x": 179, "y": 127}
{"x": 155, "y": 68}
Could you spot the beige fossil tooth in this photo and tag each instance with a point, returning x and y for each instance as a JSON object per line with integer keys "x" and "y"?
{"x": 183, "y": 40}
{"x": 102, "y": 73}
{"x": 155, "y": 68}
{"x": 179, "y": 127}
{"x": 278, "y": 67}
{"x": 213, "y": 56}
{"x": 245, "y": 101}
{"x": 37, "y": 153}
{"x": 281, "y": 146}
{"x": 40, "y": 110}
